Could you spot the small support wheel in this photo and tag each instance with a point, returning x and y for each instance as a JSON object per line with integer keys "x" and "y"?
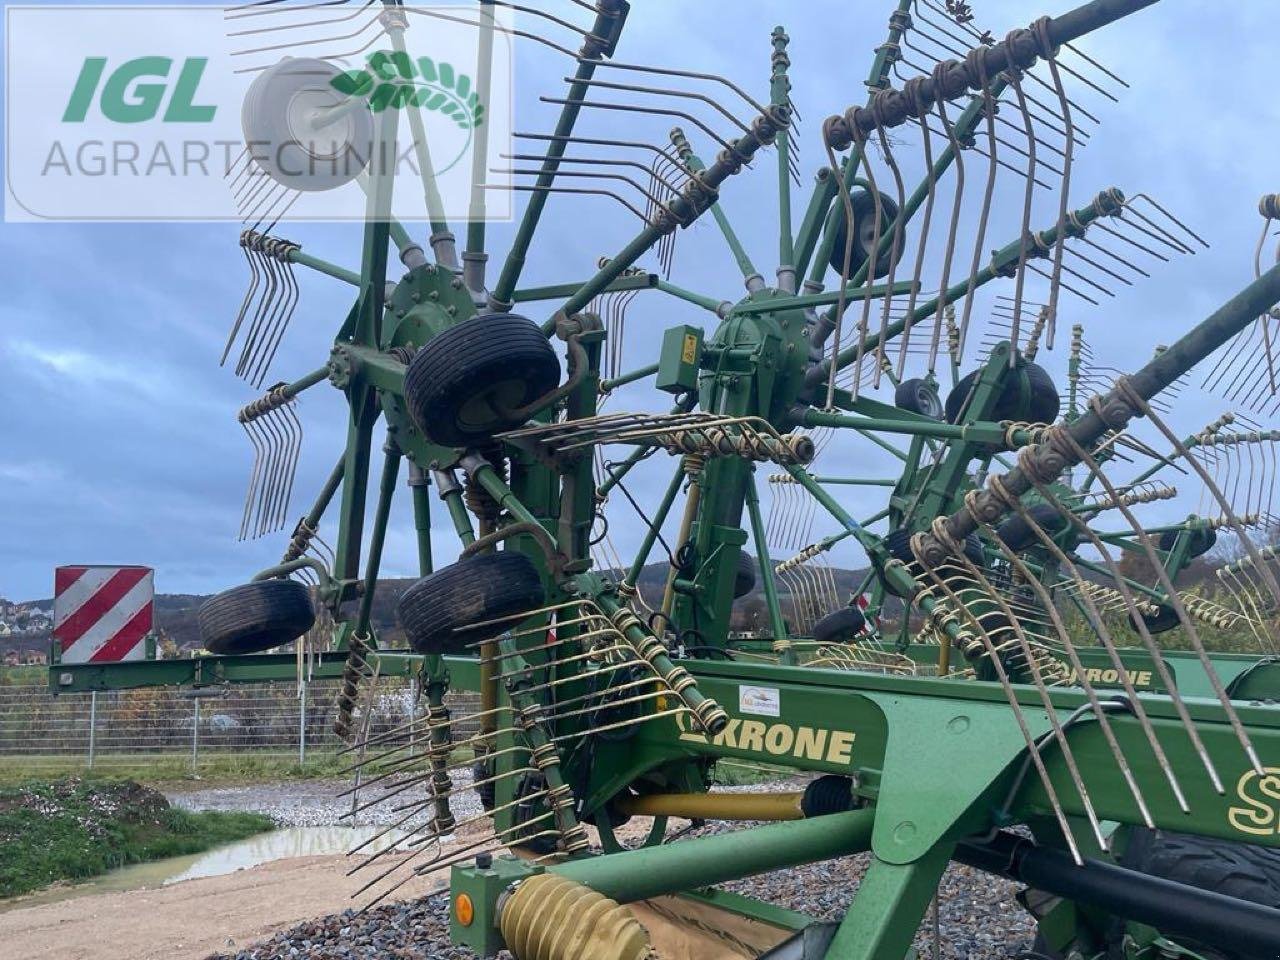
{"x": 1028, "y": 394}
{"x": 305, "y": 133}
{"x": 256, "y": 616}
{"x": 840, "y": 626}
{"x": 462, "y": 387}
{"x": 864, "y": 226}
{"x": 919, "y": 396}
{"x": 448, "y": 611}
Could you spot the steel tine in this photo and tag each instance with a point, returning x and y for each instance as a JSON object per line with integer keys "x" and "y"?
{"x": 246, "y": 240}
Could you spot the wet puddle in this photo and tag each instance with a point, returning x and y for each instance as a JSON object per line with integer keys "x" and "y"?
{"x": 264, "y": 848}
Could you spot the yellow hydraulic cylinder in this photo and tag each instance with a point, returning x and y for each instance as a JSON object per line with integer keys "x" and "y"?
{"x": 715, "y": 806}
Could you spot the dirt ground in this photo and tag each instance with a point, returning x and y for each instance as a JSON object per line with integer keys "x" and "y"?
{"x": 188, "y": 920}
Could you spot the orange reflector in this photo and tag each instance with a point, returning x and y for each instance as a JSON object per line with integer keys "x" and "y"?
{"x": 464, "y": 910}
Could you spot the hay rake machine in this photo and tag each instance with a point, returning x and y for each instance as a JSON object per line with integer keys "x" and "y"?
{"x": 1023, "y": 681}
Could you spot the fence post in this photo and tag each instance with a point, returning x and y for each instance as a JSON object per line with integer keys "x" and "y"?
{"x": 93, "y": 724}
{"x": 302, "y": 726}
{"x": 195, "y": 737}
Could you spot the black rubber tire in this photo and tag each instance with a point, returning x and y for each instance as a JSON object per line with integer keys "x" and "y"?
{"x": 827, "y": 794}
{"x": 257, "y": 616}
{"x": 744, "y": 578}
{"x": 482, "y": 770}
{"x": 460, "y": 385}
{"x": 1202, "y": 541}
{"x": 438, "y": 612}
{"x": 1016, "y": 534}
{"x": 840, "y": 626}
{"x": 1163, "y": 621}
{"x": 1241, "y": 870}
{"x": 898, "y": 543}
{"x": 919, "y": 396}
{"x": 864, "y": 212}
{"x": 1042, "y": 406}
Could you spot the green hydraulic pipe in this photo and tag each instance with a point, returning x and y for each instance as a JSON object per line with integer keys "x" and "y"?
{"x": 780, "y": 96}
{"x": 451, "y": 494}
{"x": 607, "y": 386}
{"x": 852, "y": 294}
{"x": 420, "y": 485}
{"x": 311, "y": 522}
{"x": 558, "y": 291}
{"x": 442, "y": 240}
{"x": 325, "y": 267}
{"x": 670, "y": 868}
{"x": 592, "y": 49}
{"x": 474, "y": 257}
{"x": 856, "y": 482}
{"x": 691, "y": 160}
{"x": 782, "y": 642}
{"x": 386, "y": 493}
{"x": 718, "y": 307}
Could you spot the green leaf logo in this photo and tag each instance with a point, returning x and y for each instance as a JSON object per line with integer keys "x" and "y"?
{"x": 393, "y": 80}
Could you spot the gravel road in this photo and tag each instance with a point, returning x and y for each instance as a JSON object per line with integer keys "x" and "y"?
{"x": 311, "y": 803}
{"x": 978, "y": 919}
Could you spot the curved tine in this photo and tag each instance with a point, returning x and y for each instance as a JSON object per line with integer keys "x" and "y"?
{"x": 953, "y": 228}
{"x": 601, "y": 142}
{"x": 251, "y": 194}
{"x": 926, "y": 222}
{"x": 534, "y": 11}
{"x": 296, "y": 196}
{"x": 587, "y": 175}
{"x": 1189, "y": 627}
{"x": 259, "y": 8}
{"x": 534, "y": 188}
{"x": 1167, "y": 215}
{"x": 895, "y": 248}
{"x": 254, "y": 280}
{"x": 375, "y": 20}
{"x": 1098, "y": 625}
{"x": 291, "y": 25}
{"x": 251, "y": 493}
{"x": 653, "y": 111}
{"x": 273, "y": 326}
{"x": 993, "y": 656}
{"x": 250, "y": 347}
{"x": 1058, "y": 733}
{"x": 435, "y": 14}
{"x": 1098, "y": 266}
{"x": 665, "y": 92}
{"x": 272, "y": 443}
{"x": 280, "y": 322}
{"x": 984, "y": 218}
{"x": 1101, "y": 67}
{"x": 294, "y": 451}
{"x": 689, "y": 74}
{"x": 1113, "y": 255}
{"x": 1155, "y": 233}
{"x": 1064, "y": 196}
{"x": 597, "y": 161}
{"x": 1112, "y": 231}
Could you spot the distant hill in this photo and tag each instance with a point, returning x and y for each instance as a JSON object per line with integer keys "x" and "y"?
{"x": 176, "y": 612}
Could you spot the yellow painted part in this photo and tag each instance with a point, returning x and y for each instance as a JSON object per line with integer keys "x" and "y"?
{"x": 551, "y": 918}
{"x": 715, "y": 806}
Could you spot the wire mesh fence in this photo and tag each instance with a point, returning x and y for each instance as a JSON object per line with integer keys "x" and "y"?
{"x": 273, "y": 724}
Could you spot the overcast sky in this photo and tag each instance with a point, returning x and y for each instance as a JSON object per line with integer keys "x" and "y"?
{"x": 118, "y": 442}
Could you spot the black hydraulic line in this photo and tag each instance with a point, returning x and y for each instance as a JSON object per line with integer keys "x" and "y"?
{"x": 1172, "y": 908}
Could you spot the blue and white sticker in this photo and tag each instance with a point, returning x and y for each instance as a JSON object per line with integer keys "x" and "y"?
{"x": 760, "y": 701}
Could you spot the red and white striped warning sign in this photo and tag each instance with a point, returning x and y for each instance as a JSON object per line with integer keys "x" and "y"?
{"x": 102, "y": 614}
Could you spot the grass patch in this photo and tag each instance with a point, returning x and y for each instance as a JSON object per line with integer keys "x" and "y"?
{"x": 230, "y": 768}
{"x": 76, "y": 828}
